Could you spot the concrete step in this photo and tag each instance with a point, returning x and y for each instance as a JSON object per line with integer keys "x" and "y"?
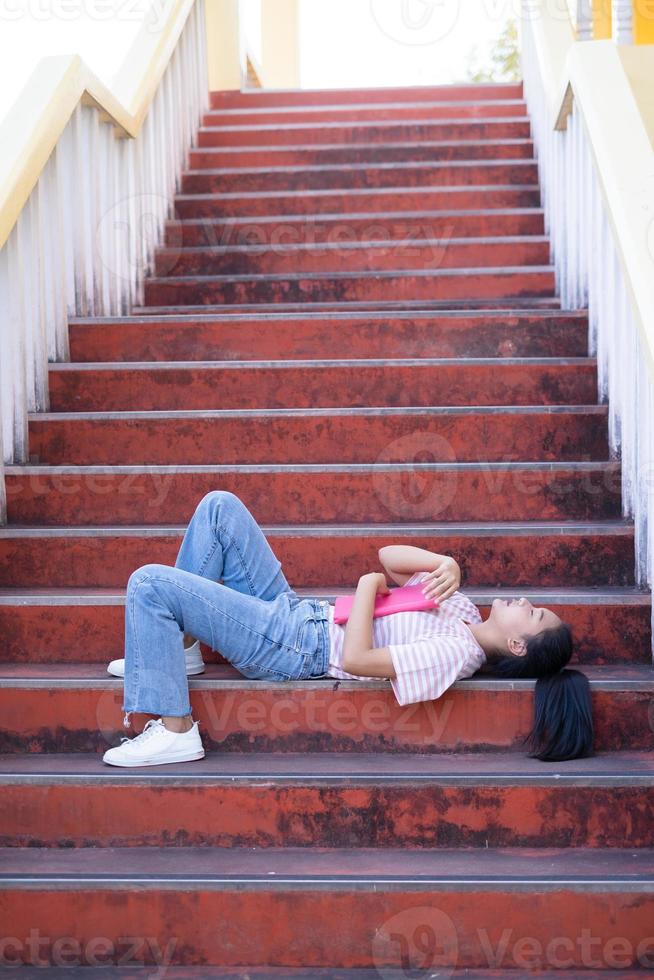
{"x": 344, "y": 800}
{"x": 365, "y": 256}
{"x": 321, "y": 435}
{"x": 280, "y": 230}
{"x": 299, "y": 907}
{"x": 401, "y": 175}
{"x": 77, "y": 707}
{"x": 321, "y": 383}
{"x": 171, "y": 337}
{"x": 355, "y": 201}
{"x": 153, "y": 972}
{"x": 468, "y": 92}
{"x": 293, "y": 155}
{"x": 310, "y": 133}
{"x": 495, "y": 555}
{"x": 546, "y": 304}
{"x": 364, "y": 112}
{"x": 432, "y": 284}
{"x": 61, "y": 625}
{"x": 331, "y": 492}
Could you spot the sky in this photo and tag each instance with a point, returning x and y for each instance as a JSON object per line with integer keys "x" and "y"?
{"x": 396, "y": 42}
{"x": 343, "y": 42}
{"x": 101, "y": 31}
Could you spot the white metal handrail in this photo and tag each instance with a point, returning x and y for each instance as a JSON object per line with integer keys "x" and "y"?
{"x": 84, "y": 238}
{"x": 601, "y": 262}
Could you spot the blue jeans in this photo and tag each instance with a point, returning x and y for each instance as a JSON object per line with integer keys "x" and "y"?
{"x": 253, "y": 618}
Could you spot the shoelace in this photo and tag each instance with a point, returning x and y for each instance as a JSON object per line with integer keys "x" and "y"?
{"x": 151, "y": 727}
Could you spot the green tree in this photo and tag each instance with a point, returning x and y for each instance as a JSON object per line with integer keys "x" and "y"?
{"x": 503, "y": 64}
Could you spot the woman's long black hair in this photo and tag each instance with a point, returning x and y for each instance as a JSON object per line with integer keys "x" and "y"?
{"x": 563, "y": 718}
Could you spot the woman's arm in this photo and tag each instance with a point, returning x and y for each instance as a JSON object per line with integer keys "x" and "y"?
{"x": 401, "y": 561}
{"x": 358, "y": 657}
{"x": 405, "y": 559}
{"x": 370, "y": 663}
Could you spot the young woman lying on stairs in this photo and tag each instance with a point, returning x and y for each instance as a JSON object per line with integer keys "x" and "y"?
{"x": 258, "y": 623}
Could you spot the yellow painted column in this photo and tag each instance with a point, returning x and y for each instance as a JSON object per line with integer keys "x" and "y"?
{"x": 280, "y": 43}
{"x": 602, "y": 20}
{"x": 223, "y": 44}
{"x": 644, "y": 21}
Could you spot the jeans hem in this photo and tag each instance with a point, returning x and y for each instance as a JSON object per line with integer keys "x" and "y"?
{"x": 171, "y": 713}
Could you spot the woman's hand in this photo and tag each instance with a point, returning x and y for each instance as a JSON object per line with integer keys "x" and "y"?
{"x": 443, "y": 581}
{"x": 380, "y": 580}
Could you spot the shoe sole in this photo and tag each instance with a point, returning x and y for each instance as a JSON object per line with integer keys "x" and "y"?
{"x": 193, "y": 670}
{"x": 184, "y": 757}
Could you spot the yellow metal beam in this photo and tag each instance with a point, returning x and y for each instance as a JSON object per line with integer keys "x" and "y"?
{"x": 280, "y": 41}
{"x": 644, "y": 21}
{"x": 223, "y": 44}
{"x": 602, "y": 21}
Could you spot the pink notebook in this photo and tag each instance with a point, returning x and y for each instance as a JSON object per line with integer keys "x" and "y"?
{"x": 406, "y": 598}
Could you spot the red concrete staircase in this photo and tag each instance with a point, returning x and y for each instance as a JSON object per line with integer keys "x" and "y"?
{"x": 353, "y": 324}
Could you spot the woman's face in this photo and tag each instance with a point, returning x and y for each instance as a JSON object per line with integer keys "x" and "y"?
{"x": 519, "y": 617}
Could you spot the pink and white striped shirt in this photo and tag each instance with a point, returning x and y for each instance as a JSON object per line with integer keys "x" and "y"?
{"x": 430, "y": 649}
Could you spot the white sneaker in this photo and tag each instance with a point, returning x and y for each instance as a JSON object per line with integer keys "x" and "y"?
{"x": 193, "y": 656}
{"x": 155, "y": 746}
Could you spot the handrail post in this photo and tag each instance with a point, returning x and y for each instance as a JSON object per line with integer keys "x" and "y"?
{"x": 583, "y": 20}
{"x": 3, "y": 485}
{"x": 6, "y": 391}
{"x": 223, "y": 31}
{"x": 622, "y": 15}
{"x": 280, "y": 43}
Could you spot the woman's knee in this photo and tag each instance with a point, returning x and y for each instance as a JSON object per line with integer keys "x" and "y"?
{"x": 222, "y": 502}
{"x": 147, "y": 572}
